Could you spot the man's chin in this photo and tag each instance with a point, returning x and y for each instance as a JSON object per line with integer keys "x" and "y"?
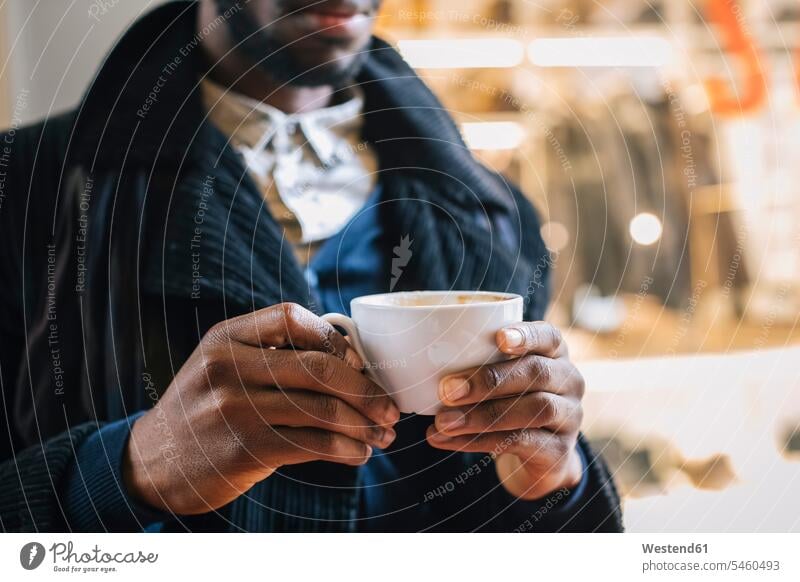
{"x": 336, "y": 73}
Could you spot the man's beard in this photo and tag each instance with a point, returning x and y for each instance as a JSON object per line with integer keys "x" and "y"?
{"x": 261, "y": 49}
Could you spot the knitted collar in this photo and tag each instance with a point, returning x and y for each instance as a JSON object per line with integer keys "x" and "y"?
{"x": 145, "y": 103}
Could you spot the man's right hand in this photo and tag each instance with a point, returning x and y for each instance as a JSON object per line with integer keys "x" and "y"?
{"x": 276, "y": 387}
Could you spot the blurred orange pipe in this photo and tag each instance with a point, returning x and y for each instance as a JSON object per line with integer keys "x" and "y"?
{"x": 737, "y": 41}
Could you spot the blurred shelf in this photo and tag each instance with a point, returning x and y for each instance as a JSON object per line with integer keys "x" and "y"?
{"x": 767, "y": 36}
{"x": 654, "y": 330}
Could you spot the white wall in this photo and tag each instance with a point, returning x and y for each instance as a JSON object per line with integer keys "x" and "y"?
{"x": 53, "y": 49}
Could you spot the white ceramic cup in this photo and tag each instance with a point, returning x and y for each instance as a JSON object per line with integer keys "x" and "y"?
{"x": 410, "y": 340}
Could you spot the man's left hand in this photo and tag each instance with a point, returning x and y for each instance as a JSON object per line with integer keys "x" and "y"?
{"x": 526, "y": 410}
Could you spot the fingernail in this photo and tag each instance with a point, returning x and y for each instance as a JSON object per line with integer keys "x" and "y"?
{"x": 513, "y": 338}
{"x": 369, "y": 450}
{"x": 353, "y": 359}
{"x": 387, "y": 437}
{"x": 392, "y": 415}
{"x": 450, "y": 420}
{"x": 454, "y": 389}
{"x": 377, "y": 434}
{"x": 439, "y": 437}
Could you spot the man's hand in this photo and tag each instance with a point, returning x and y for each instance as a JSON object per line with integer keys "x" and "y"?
{"x": 276, "y": 387}
{"x": 527, "y": 410}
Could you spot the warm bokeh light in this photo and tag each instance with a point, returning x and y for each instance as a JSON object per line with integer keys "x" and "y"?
{"x": 555, "y": 235}
{"x": 600, "y": 52}
{"x": 645, "y": 228}
{"x": 493, "y": 135}
{"x": 469, "y": 53}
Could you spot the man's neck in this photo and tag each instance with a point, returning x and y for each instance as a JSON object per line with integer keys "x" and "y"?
{"x": 231, "y": 71}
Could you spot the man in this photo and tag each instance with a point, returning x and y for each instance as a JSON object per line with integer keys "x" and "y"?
{"x": 234, "y": 171}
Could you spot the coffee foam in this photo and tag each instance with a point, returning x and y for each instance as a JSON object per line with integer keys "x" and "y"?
{"x": 433, "y": 299}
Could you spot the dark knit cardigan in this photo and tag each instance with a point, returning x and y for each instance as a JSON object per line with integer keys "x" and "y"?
{"x": 94, "y": 217}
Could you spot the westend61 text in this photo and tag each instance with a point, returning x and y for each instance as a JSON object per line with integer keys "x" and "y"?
{"x": 673, "y": 549}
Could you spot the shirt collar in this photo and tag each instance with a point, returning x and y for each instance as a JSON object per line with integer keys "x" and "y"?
{"x": 253, "y": 124}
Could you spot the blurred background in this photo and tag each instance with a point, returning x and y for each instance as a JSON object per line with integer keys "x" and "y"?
{"x": 659, "y": 142}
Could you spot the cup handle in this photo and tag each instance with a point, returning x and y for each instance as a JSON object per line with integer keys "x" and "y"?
{"x": 349, "y": 326}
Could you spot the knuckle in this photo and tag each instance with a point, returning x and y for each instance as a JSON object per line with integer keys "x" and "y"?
{"x": 366, "y": 396}
{"x": 225, "y": 402}
{"x": 491, "y": 378}
{"x": 328, "y": 336}
{"x": 290, "y": 317}
{"x": 493, "y": 412}
{"x": 374, "y": 399}
{"x": 553, "y": 335}
{"x": 289, "y": 312}
{"x": 520, "y": 374}
{"x": 370, "y": 433}
{"x": 526, "y": 438}
{"x": 327, "y": 409}
{"x": 580, "y": 385}
{"x": 213, "y": 365}
{"x": 560, "y": 448}
{"x": 240, "y": 443}
{"x": 320, "y": 366}
{"x": 216, "y": 334}
{"x": 578, "y": 416}
{"x": 549, "y": 410}
{"x": 283, "y": 321}
{"x": 325, "y": 443}
{"x": 338, "y": 444}
{"x": 275, "y": 319}
{"x": 532, "y": 334}
{"x": 540, "y": 371}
